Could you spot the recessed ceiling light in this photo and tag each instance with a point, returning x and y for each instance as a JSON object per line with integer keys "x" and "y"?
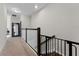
{"x": 36, "y": 6}
{"x": 16, "y": 10}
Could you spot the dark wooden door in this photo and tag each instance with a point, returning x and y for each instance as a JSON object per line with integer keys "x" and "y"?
{"x": 16, "y": 29}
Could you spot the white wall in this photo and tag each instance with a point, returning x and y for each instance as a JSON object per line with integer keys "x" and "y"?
{"x": 25, "y": 21}
{"x": 9, "y": 24}
{"x": 15, "y": 19}
{"x": 3, "y": 25}
{"x": 61, "y": 20}
{"x": 25, "y": 24}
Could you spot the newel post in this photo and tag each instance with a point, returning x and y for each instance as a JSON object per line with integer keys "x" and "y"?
{"x": 70, "y": 48}
{"x": 38, "y": 42}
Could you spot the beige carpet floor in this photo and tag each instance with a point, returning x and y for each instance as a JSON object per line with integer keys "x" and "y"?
{"x": 17, "y": 47}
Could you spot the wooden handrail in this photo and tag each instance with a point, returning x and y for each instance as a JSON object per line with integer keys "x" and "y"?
{"x": 47, "y": 39}
{"x": 28, "y": 28}
{"x": 51, "y": 37}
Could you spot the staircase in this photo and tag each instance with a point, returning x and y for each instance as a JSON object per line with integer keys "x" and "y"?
{"x": 53, "y": 46}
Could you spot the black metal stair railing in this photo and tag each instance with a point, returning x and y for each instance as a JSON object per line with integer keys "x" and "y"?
{"x": 57, "y": 47}
{"x": 53, "y": 46}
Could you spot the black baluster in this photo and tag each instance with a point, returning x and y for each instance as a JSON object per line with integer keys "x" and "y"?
{"x": 65, "y": 48}
{"x": 58, "y": 46}
{"x": 46, "y": 45}
{"x": 52, "y": 46}
{"x": 61, "y": 46}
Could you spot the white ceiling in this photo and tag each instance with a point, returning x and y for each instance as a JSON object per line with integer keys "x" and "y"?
{"x": 25, "y": 8}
